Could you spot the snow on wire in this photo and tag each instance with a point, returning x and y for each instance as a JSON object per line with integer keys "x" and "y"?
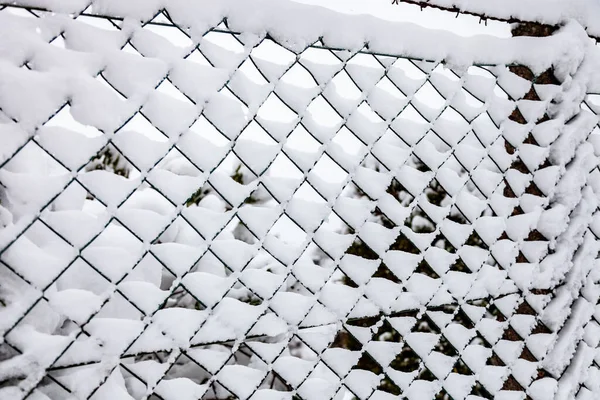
{"x": 234, "y": 200}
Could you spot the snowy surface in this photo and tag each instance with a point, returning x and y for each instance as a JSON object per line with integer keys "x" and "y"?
{"x": 551, "y": 12}
{"x": 206, "y": 261}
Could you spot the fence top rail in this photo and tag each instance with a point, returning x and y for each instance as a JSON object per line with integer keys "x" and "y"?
{"x": 297, "y": 26}
{"x": 551, "y": 12}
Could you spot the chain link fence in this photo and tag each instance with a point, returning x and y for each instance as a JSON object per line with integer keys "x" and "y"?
{"x": 196, "y": 211}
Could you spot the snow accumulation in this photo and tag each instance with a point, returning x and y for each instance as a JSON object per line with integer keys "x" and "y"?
{"x": 337, "y": 30}
{"x": 551, "y": 12}
{"x": 184, "y": 215}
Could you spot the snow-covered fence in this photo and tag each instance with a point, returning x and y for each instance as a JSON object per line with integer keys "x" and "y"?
{"x": 259, "y": 200}
{"x": 551, "y": 12}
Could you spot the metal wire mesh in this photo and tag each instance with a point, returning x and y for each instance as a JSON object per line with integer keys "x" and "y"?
{"x": 246, "y": 221}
